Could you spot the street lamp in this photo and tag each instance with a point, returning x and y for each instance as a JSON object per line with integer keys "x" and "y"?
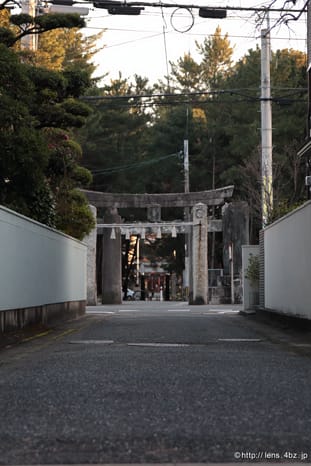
{"x": 115, "y": 7}
{"x": 64, "y": 6}
{"x": 212, "y": 13}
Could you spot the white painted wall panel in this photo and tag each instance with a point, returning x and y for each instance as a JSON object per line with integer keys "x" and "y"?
{"x": 38, "y": 265}
{"x": 288, "y": 263}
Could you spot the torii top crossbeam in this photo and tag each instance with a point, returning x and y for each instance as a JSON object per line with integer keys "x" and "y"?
{"x": 117, "y": 200}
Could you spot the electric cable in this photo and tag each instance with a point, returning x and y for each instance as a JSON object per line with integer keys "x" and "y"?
{"x": 165, "y": 50}
{"x": 135, "y": 165}
{"x": 188, "y": 27}
{"x": 238, "y": 91}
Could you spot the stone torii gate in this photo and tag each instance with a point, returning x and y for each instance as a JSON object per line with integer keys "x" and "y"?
{"x": 199, "y": 225}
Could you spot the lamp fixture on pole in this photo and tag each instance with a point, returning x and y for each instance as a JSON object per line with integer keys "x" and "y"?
{"x": 115, "y": 7}
{"x": 212, "y": 13}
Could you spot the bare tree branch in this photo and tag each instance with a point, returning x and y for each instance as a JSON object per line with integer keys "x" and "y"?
{"x": 286, "y": 17}
{"x": 6, "y": 3}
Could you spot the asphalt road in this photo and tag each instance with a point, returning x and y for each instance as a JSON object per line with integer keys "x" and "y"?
{"x": 157, "y": 383}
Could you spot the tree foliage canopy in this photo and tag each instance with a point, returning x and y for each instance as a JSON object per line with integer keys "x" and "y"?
{"x": 40, "y": 167}
{"x": 26, "y": 24}
{"x": 133, "y": 138}
{"x": 214, "y": 103}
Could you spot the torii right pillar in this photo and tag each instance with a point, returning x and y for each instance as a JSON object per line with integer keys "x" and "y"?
{"x": 199, "y": 267}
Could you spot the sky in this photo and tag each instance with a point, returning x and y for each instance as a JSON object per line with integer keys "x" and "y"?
{"x": 145, "y": 44}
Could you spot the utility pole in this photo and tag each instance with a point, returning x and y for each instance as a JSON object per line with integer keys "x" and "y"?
{"x": 29, "y": 42}
{"x": 266, "y": 128}
{"x": 186, "y": 164}
{"x": 212, "y": 141}
{"x": 186, "y": 211}
{"x": 186, "y": 155}
{"x": 231, "y": 271}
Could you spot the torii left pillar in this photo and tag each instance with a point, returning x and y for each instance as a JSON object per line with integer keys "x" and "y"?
{"x": 199, "y": 268}
{"x": 90, "y": 240}
{"x": 111, "y": 268}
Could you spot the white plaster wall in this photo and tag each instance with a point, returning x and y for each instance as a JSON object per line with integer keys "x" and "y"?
{"x": 38, "y": 265}
{"x": 288, "y": 263}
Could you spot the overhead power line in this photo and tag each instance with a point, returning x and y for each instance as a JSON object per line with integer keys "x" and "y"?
{"x": 142, "y": 31}
{"x": 231, "y": 92}
{"x": 190, "y": 6}
{"x": 288, "y": 12}
{"x": 131, "y": 166}
{"x": 201, "y": 103}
